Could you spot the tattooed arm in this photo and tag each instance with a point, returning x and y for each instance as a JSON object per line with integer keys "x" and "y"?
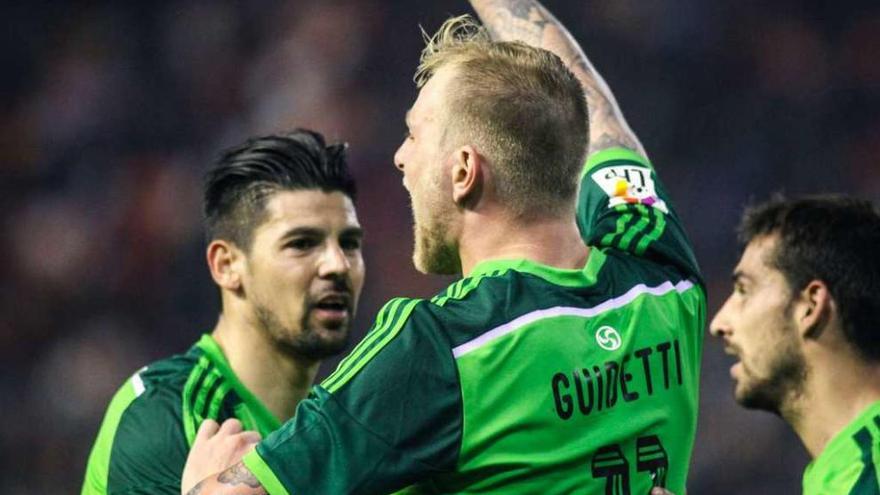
{"x": 528, "y": 21}
{"x": 237, "y": 480}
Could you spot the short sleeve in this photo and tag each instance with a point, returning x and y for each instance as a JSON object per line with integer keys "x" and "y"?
{"x": 388, "y": 417}
{"x": 149, "y": 449}
{"x": 623, "y": 205}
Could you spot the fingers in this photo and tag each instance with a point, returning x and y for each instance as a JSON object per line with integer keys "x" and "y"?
{"x": 230, "y": 433}
{"x": 242, "y": 443}
{"x": 207, "y": 429}
{"x": 231, "y": 427}
{"x": 251, "y": 437}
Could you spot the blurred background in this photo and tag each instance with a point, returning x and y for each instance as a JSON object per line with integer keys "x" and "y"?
{"x": 112, "y": 110}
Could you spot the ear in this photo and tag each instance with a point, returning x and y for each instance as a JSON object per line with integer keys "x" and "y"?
{"x": 814, "y": 309}
{"x": 225, "y": 261}
{"x": 468, "y": 169}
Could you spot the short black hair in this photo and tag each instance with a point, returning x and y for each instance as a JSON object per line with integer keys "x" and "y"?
{"x": 835, "y": 239}
{"x": 239, "y": 183}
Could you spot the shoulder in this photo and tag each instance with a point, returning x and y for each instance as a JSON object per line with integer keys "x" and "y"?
{"x": 469, "y": 302}
{"x": 622, "y": 204}
{"x": 141, "y": 440}
{"x": 408, "y": 336}
{"x": 496, "y": 297}
{"x": 152, "y": 418}
{"x": 157, "y": 388}
{"x": 850, "y": 462}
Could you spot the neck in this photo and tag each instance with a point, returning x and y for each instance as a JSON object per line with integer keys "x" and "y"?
{"x": 279, "y": 380}
{"x": 554, "y": 242}
{"x": 839, "y": 388}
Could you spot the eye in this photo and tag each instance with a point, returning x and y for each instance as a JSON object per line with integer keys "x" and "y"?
{"x": 739, "y": 288}
{"x": 350, "y": 244}
{"x": 407, "y": 135}
{"x": 302, "y": 243}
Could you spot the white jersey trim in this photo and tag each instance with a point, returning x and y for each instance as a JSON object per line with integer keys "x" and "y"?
{"x": 541, "y": 314}
{"x": 138, "y": 383}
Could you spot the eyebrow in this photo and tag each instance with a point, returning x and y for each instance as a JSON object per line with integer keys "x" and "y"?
{"x": 353, "y": 232}
{"x": 739, "y": 275}
{"x": 302, "y": 231}
{"x": 316, "y": 232}
{"x": 406, "y": 117}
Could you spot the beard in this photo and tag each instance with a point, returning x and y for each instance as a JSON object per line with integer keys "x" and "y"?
{"x": 784, "y": 381}
{"x": 309, "y": 343}
{"x": 432, "y": 254}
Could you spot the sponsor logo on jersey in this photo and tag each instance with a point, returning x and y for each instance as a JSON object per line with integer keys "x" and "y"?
{"x": 629, "y": 184}
{"x": 608, "y": 338}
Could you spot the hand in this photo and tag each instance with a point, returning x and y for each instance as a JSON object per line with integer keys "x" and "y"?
{"x": 215, "y": 449}
{"x": 660, "y": 491}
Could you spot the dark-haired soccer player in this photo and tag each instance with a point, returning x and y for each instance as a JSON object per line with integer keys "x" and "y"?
{"x": 803, "y": 321}
{"x": 553, "y": 366}
{"x": 285, "y": 251}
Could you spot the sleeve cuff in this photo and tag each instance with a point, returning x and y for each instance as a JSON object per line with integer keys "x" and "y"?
{"x": 258, "y": 467}
{"x": 613, "y": 154}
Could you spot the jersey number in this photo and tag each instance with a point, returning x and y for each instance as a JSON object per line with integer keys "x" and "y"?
{"x": 610, "y": 463}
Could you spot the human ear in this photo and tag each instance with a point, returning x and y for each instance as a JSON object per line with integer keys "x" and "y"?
{"x": 224, "y": 262}
{"x": 467, "y": 176}
{"x": 814, "y": 310}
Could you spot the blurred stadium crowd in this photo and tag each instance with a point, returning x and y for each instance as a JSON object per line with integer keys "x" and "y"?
{"x": 111, "y": 111}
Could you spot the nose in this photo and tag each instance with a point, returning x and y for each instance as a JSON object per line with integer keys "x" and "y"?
{"x": 398, "y": 156}
{"x": 719, "y": 326}
{"x": 333, "y": 262}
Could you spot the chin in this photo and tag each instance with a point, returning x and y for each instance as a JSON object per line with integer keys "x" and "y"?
{"x": 435, "y": 258}
{"x": 316, "y": 342}
{"x": 757, "y": 398}
{"x": 437, "y": 266}
{"x": 432, "y": 254}
{"x": 318, "y": 349}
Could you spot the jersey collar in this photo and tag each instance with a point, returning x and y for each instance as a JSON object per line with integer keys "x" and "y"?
{"x": 264, "y": 418}
{"x": 568, "y": 278}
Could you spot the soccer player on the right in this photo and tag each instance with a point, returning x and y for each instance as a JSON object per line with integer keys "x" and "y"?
{"x": 803, "y": 321}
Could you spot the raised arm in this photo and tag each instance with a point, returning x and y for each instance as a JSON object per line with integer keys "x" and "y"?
{"x": 528, "y": 21}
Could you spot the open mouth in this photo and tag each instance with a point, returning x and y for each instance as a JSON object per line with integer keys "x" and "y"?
{"x": 736, "y": 367}
{"x": 332, "y": 308}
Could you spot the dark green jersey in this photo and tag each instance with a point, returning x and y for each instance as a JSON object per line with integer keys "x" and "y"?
{"x": 850, "y": 462}
{"x": 152, "y": 421}
{"x": 521, "y": 378}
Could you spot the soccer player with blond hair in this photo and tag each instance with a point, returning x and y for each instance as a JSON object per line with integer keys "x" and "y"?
{"x": 554, "y": 365}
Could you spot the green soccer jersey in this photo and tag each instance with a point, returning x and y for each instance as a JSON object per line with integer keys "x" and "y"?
{"x": 152, "y": 421}
{"x": 850, "y": 462}
{"x": 521, "y": 378}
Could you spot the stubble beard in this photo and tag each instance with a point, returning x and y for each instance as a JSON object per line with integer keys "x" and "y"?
{"x": 784, "y": 383}
{"x": 305, "y": 344}
{"x": 432, "y": 253}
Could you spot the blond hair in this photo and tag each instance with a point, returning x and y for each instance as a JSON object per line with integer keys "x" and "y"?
{"x": 520, "y": 106}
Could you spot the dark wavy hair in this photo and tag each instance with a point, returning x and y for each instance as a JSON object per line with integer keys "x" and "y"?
{"x": 238, "y": 185}
{"x": 835, "y": 239}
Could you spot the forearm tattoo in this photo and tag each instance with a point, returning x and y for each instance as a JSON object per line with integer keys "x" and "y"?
{"x": 528, "y": 21}
{"x": 196, "y": 490}
{"x": 239, "y": 475}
